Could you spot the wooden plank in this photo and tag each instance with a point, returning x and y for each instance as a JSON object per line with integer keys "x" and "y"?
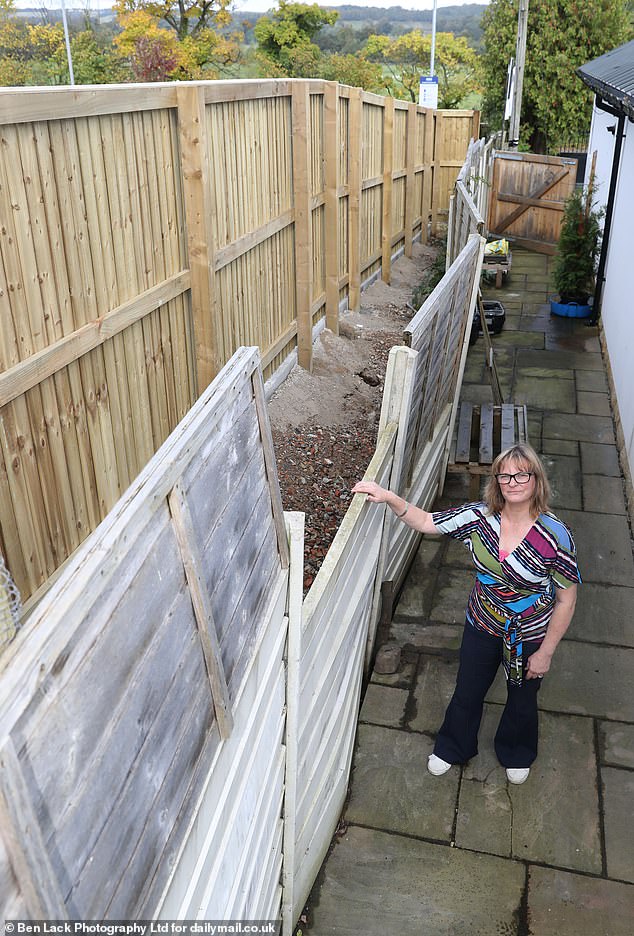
{"x": 486, "y": 434}
{"x": 199, "y": 210}
{"x": 535, "y": 194}
{"x": 295, "y": 525}
{"x": 355, "y": 115}
{"x": 463, "y": 445}
{"x": 270, "y": 463}
{"x": 37, "y": 104}
{"x": 388, "y": 162}
{"x": 247, "y": 242}
{"x": 181, "y": 519}
{"x": 507, "y": 438}
{"x": 333, "y": 239}
{"x": 529, "y": 201}
{"x": 23, "y": 839}
{"x": 543, "y": 247}
{"x": 410, "y": 183}
{"x": 303, "y": 225}
{"x": 45, "y": 363}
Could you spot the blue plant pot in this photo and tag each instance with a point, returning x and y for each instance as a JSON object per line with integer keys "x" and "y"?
{"x": 570, "y": 309}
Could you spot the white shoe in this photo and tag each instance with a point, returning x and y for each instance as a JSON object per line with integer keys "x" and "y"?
{"x": 437, "y": 766}
{"x": 517, "y": 774}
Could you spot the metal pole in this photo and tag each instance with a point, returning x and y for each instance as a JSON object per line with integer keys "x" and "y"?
{"x": 67, "y": 38}
{"x": 520, "y": 58}
{"x": 433, "y": 40}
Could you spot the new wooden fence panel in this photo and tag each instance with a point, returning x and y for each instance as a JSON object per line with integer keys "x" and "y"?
{"x": 151, "y": 231}
{"x": 149, "y": 656}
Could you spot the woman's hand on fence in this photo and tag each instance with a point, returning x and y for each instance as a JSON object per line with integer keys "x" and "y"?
{"x": 413, "y": 516}
{"x": 375, "y": 493}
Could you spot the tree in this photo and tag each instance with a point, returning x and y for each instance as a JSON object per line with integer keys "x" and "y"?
{"x": 562, "y": 35}
{"x": 158, "y": 54}
{"x": 408, "y": 57}
{"x": 354, "y": 70}
{"x": 185, "y": 17}
{"x": 285, "y": 46}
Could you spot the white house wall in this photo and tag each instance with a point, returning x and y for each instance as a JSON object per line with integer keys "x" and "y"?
{"x": 617, "y": 308}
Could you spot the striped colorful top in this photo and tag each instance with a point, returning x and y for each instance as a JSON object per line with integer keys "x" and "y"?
{"x": 513, "y": 597}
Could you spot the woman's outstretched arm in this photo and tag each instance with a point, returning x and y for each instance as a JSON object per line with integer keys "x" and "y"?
{"x": 413, "y": 516}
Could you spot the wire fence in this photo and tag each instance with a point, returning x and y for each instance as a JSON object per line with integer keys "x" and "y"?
{"x": 9, "y": 607}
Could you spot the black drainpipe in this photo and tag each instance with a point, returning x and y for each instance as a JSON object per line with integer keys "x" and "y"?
{"x": 609, "y": 209}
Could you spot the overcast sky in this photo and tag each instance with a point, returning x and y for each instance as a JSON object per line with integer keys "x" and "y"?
{"x": 256, "y": 5}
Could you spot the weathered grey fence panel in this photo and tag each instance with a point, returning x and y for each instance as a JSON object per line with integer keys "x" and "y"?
{"x": 112, "y": 694}
{"x": 327, "y": 644}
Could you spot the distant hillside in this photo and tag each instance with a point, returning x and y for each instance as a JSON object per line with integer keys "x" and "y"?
{"x": 356, "y": 23}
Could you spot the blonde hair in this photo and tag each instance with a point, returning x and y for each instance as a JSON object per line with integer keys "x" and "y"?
{"x": 525, "y": 456}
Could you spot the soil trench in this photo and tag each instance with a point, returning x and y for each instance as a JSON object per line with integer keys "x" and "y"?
{"x": 325, "y": 423}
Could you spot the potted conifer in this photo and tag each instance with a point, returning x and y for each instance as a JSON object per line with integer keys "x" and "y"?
{"x": 577, "y": 254}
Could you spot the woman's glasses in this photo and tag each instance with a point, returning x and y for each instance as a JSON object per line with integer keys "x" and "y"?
{"x": 520, "y": 477}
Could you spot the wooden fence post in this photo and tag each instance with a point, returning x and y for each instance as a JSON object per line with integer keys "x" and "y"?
{"x": 331, "y": 207}
{"x": 355, "y": 179}
{"x": 303, "y": 222}
{"x": 410, "y": 180}
{"x": 428, "y": 172}
{"x": 435, "y": 197}
{"x": 388, "y": 165}
{"x": 199, "y": 210}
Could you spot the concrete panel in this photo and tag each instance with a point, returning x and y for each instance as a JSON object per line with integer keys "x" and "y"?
{"x": 618, "y": 793}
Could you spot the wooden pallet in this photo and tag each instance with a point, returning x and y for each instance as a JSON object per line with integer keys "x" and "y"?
{"x": 483, "y": 431}
{"x": 500, "y": 265}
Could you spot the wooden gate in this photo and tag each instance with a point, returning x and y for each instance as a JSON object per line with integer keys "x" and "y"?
{"x": 527, "y": 198}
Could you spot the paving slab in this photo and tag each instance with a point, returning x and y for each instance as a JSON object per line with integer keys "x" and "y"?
{"x": 578, "y": 342}
{"x": 604, "y": 547}
{"x": 425, "y": 635}
{"x": 594, "y": 404}
{"x": 579, "y": 427}
{"x": 603, "y": 495}
{"x": 599, "y": 459}
{"x": 417, "y": 593}
{"x": 392, "y": 789}
{"x": 594, "y": 381}
{"x": 564, "y": 360}
{"x": 618, "y": 796}
{"x": 560, "y": 447}
{"x": 547, "y": 393}
{"x": 519, "y": 339}
{"x": 434, "y": 688}
{"x": 450, "y": 598}
{"x": 588, "y": 679}
{"x": 376, "y": 884}
{"x": 564, "y": 474}
{"x": 564, "y": 904}
{"x": 539, "y": 820}
{"x": 616, "y": 740}
{"x": 383, "y": 705}
{"x": 604, "y": 614}
{"x": 485, "y": 809}
{"x": 459, "y": 554}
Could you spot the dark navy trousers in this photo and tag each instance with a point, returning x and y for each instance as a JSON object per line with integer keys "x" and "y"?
{"x": 516, "y": 736}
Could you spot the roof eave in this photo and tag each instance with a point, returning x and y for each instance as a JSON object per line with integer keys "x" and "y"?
{"x": 619, "y": 100}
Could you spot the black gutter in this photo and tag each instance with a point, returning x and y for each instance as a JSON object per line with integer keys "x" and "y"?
{"x": 609, "y": 209}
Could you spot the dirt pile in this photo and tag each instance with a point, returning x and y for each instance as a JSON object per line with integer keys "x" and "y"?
{"x": 325, "y": 422}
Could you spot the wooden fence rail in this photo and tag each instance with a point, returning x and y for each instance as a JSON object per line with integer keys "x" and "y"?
{"x": 147, "y": 232}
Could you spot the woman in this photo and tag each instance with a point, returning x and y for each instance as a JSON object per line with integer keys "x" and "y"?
{"x": 519, "y": 608}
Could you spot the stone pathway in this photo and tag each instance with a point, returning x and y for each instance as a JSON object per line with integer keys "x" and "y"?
{"x": 468, "y": 853}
